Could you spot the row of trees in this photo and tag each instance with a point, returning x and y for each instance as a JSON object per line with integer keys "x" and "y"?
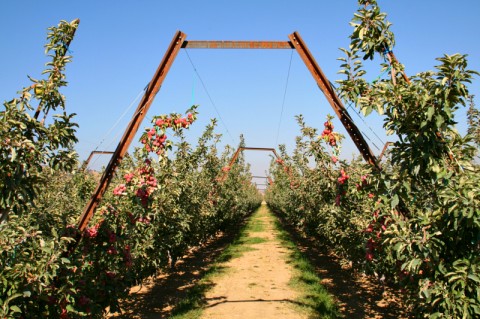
{"x": 416, "y": 222}
{"x": 164, "y": 199}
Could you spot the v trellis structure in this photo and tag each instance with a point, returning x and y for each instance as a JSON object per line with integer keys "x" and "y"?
{"x": 243, "y": 148}
{"x": 85, "y": 164}
{"x": 178, "y": 42}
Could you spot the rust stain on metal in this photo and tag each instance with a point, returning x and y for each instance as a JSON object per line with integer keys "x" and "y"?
{"x": 85, "y": 165}
{"x": 333, "y": 99}
{"x": 132, "y": 128}
{"x": 237, "y": 45}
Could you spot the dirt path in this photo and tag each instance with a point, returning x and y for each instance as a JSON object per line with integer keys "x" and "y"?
{"x": 256, "y": 283}
{"x": 358, "y": 296}
{"x": 253, "y": 282}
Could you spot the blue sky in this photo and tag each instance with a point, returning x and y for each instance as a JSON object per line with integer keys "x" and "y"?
{"x": 119, "y": 44}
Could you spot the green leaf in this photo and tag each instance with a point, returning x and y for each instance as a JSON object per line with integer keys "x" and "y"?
{"x": 474, "y": 277}
{"x": 15, "y": 308}
{"x": 361, "y": 33}
{"x": 430, "y": 112}
{"x": 13, "y": 154}
{"x": 395, "y": 201}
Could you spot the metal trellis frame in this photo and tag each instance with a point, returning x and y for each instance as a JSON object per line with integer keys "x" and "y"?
{"x": 178, "y": 42}
{"x": 85, "y": 164}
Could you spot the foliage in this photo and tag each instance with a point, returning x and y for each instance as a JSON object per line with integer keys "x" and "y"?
{"x": 473, "y": 117}
{"x": 320, "y": 201}
{"x": 416, "y": 222}
{"x": 158, "y": 207}
{"x": 27, "y": 144}
{"x": 143, "y": 226}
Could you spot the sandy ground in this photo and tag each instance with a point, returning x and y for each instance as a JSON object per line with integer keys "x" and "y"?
{"x": 358, "y": 296}
{"x": 256, "y": 283}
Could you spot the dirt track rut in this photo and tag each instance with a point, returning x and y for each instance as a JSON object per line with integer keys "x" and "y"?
{"x": 256, "y": 283}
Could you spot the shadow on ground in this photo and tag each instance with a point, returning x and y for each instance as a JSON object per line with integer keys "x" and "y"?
{"x": 157, "y": 298}
{"x": 358, "y": 296}
{"x": 223, "y": 300}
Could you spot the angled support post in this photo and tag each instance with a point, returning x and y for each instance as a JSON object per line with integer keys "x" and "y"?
{"x": 387, "y": 144}
{"x": 85, "y": 164}
{"x": 333, "y": 99}
{"x": 132, "y": 128}
{"x": 267, "y": 149}
{"x": 240, "y": 149}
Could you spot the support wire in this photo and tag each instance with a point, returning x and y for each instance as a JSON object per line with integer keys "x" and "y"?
{"x": 284, "y": 96}
{"x": 116, "y": 123}
{"x": 349, "y": 106}
{"x": 210, "y": 97}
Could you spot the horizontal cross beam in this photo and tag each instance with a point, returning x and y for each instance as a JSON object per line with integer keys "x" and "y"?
{"x": 237, "y": 45}
{"x": 91, "y": 155}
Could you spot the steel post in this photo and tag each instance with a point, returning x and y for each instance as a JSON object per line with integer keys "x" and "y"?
{"x": 332, "y": 98}
{"x": 132, "y": 128}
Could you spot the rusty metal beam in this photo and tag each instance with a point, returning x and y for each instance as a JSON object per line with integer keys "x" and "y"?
{"x": 268, "y": 149}
{"x": 235, "y": 156}
{"x": 132, "y": 128}
{"x": 392, "y": 58}
{"x": 276, "y": 155}
{"x": 258, "y": 148}
{"x": 237, "y": 45}
{"x": 387, "y": 144}
{"x": 333, "y": 99}
{"x": 85, "y": 164}
{"x": 237, "y": 153}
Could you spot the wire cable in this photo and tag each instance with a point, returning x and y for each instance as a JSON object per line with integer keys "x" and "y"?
{"x": 209, "y": 97}
{"x": 363, "y": 120}
{"x": 284, "y": 96}
{"x": 131, "y": 119}
{"x": 114, "y": 139}
{"x": 345, "y": 113}
{"x": 349, "y": 106}
{"x": 116, "y": 123}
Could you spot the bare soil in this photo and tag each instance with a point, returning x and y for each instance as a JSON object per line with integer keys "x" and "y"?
{"x": 156, "y": 297}
{"x": 358, "y": 295}
{"x": 255, "y": 285}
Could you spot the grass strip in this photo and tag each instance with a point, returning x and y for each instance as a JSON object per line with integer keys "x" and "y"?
{"x": 191, "y": 307}
{"x": 314, "y": 298}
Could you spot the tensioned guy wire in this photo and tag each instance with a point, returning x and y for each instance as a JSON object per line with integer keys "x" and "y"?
{"x": 363, "y": 120}
{"x": 116, "y": 123}
{"x": 114, "y": 139}
{"x": 284, "y": 96}
{"x": 209, "y": 96}
{"x": 344, "y": 112}
{"x": 131, "y": 119}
